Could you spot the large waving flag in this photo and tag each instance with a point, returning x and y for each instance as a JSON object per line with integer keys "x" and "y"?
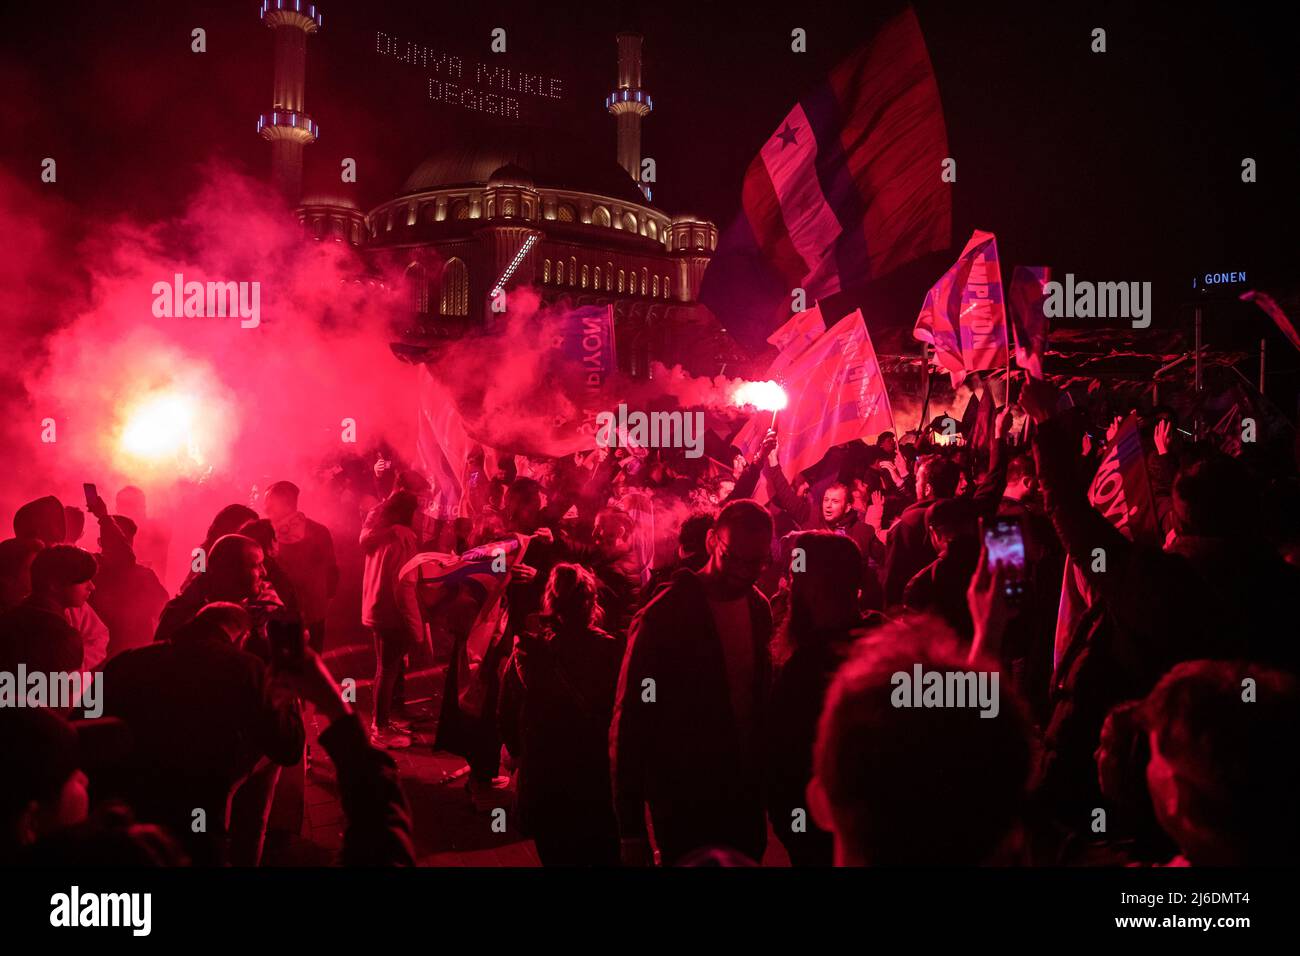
{"x": 442, "y": 446}
{"x": 846, "y": 190}
{"x": 464, "y": 595}
{"x": 1029, "y": 323}
{"x": 836, "y": 393}
{"x": 963, "y": 316}
{"x": 1121, "y": 491}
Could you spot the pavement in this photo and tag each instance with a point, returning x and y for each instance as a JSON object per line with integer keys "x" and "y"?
{"x": 448, "y": 831}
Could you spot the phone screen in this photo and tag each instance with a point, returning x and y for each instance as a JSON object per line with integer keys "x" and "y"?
{"x": 1005, "y": 543}
{"x": 91, "y": 495}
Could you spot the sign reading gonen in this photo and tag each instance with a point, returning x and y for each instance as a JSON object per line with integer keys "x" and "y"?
{"x": 1228, "y": 282}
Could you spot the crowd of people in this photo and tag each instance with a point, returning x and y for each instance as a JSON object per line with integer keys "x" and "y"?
{"x": 686, "y": 663}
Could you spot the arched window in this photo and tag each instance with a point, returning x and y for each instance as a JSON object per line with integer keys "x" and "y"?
{"x": 508, "y": 207}
{"x": 596, "y": 275}
{"x": 460, "y": 209}
{"x": 417, "y": 288}
{"x": 620, "y": 280}
{"x": 564, "y": 213}
{"x": 559, "y": 272}
{"x": 454, "y": 299}
{"x": 585, "y": 276}
{"x": 665, "y": 287}
{"x": 609, "y": 277}
{"x": 573, "y": 270}
{"x": 546, "y": 271}
{"x": 600, "y": 217}
{"x": 629, "y": 222}
{"x": 654, "y": 285}
{"x": 645, "y": 281}
{"x": 651, "y": 229}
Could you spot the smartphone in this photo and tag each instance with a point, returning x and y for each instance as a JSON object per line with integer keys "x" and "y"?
{"x": 285, "y": 635}
{"x": 1005, "y": 542}
{"x": 91, "y": 495}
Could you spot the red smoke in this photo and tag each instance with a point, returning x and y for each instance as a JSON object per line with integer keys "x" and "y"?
{"x": 266, "y": 402}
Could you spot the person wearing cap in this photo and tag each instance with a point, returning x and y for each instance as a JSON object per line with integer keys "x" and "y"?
{"x": 45, "y": 520}
{"x": 36, "y": 633}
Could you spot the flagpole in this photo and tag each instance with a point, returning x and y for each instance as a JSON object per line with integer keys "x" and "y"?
{"x": 925, "y": 400}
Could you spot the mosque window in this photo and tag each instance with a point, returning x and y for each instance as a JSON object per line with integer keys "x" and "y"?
{"x": 665, "y": 287}
{"x": 609, "y": 277}
{"x": 573, "y": 270}
{"x": 645, "y": 281}
{"x": 600, "y": 217}
{"x": 629, "y": 222}
{"x": 559, "y": 272}
{"x": 508, "y": 207}
{"x": 417, "y": 287}
{"x": 654, "y": 287}
{"x": 651, "y": 229}
{"x": 455, "y": 289}
{"x": 461, "y": 210}
{"x": 620, "y": 280}
{"x": 596, "y": 284}
{"x": 585, "y": 276}
{"x": 546, "y": 271}
{"x": 564, "y": 213}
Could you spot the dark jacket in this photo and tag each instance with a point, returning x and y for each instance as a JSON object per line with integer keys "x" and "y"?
{"x": 798, "y": 693}
{"x": 681, "y": 752}
{"x": 907, "y": 550}
{"x": 940, "y": 587}
{"x": 129, "y": 600}
{"x": 378, "y": 830}
{"x": 202, "y": 713}
{"x": 557, "y": 700}
{"x": 37, "y": 634}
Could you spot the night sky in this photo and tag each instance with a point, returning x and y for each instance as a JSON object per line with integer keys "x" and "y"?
{"x": 1117, "y": 166}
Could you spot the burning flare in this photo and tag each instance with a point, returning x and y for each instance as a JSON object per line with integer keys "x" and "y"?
{"x": 764, "y": 396}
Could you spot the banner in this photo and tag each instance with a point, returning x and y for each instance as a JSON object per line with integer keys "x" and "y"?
{"x": 1029, "y": 323}
{"x": 963, "y": 316}
{"x": 837, "y": 394}
{"x": 442, "y": 447}
{"x": 1121, "y": 491}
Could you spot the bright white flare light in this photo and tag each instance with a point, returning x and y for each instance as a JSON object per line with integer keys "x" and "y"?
{"x": 765, "y": 396}
{"x": 161, "y": 427}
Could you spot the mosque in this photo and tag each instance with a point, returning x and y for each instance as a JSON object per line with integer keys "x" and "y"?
{"x": 512, "y": 206}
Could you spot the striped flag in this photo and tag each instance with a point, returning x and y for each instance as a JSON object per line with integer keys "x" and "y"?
{"x": 963, "y": 316}
{"x": 1121, "y": 491}
{"x": 442, "y": 447}
{"x": 1029, "y": 323}
{"x": 463, "y": 594}
{"x": 847, "y": 189}
{"x": 836, "y": 393}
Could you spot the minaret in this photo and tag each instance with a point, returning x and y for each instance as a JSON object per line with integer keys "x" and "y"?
{"x": 287, "y": 127}
{"x": 629, "y": 103}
